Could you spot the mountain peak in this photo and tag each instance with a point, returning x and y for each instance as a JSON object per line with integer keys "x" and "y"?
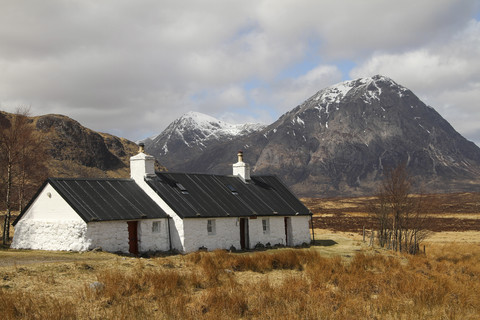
{"x": 210, "y": 125}
{"x": 198, "y": 117}
{"x": 371, "y": 88}
{"x": 193, "y": 132}
{"x": 339, "y": 142}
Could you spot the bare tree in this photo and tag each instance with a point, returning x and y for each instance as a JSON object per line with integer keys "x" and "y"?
{"x": 22, "y": 159}
{"x": 399, "y": 214}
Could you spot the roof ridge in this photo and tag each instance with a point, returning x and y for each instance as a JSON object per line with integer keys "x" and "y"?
{"x": 89, "y": 179}
{"x": 213, "y": 174}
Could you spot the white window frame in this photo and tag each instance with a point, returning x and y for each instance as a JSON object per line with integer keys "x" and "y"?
{"x": 211, "y": 230}
{"x": 266, "y": 225}
{"x": 156, "y": 226}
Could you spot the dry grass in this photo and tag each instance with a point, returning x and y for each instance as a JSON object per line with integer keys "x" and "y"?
{"x": 340, "y": 279}
{"x": 444, "y": 212}
{"x": 276, "y": 284}
{"x": 458, "y": 205}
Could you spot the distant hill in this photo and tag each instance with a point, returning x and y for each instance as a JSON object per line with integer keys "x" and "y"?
{"x": 337, "y": 143}
{"x": 76, "y": 151}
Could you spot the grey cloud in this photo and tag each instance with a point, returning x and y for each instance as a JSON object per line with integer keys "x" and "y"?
{"x": 131, "y": 67}
{"x": 446, "y": 75}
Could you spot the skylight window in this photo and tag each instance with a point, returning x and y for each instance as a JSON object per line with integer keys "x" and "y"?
{"x": 181, "y": 188}
{"x": 232, "y": 189}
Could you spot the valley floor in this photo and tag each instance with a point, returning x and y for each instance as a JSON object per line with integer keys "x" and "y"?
{"x": 339, "y": 277}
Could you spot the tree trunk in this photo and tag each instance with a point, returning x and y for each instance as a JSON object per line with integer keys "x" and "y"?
{"x": 6, "y": 229}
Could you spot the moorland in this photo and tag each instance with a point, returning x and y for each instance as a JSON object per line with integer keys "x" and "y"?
{"x": 339, "y": 277}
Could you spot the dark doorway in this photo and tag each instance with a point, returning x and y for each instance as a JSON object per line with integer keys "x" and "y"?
{"x": 244, "y": 233}
{"x": 288, "y": 231}
{"x": 132, "y": 237}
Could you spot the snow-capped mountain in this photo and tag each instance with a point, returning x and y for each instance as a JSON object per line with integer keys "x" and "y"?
{"x": 192, "y": 134}
{"x": 342, "y": 138}
{"x": 339, "y": 142}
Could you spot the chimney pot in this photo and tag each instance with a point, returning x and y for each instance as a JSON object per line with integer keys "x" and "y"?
{"x": 142, "y": 165}
{"x": 141, "y": 147}
{"x": 240, "y": 156}
{"x": 241, "y": 168}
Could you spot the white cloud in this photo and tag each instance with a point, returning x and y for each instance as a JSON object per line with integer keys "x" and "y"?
{"x": 445, "y": 76}
{"x": 288, "y": 93}
{"x": 132, "y": 67}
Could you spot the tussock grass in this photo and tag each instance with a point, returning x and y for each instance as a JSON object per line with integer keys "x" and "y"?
{"x": 289, "y": 284}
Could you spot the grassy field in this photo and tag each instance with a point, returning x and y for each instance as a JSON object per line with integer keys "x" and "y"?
{"x": 356, "y": 282}
{"x": 339, "y": 277}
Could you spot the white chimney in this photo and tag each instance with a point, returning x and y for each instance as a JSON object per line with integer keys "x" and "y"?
{"x": 241, "y": 168}
{"x": 141, "y": 165}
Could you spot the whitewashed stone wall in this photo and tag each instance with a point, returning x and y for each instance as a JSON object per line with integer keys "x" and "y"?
{"x": 51, "y": 235}
{"x": 51, "y": 224}
{"x": 177, "y": 233}
{"x": 113, "y": 236}
{"x": 78, "y": 236}
{"x": 300, "y": 230}
{"x": 276, "y": 235}
{"x": 151, "y": 241}
{"x": 109, "y": 235}
{"x": 227, "y": 234}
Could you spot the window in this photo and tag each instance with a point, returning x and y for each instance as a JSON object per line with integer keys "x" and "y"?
{"x": 232, "y": 189}
{"x": 182, "y": 188}
{"x": 266, "y": 225}
{"x": 156, "y": 225}
{"x": 211, "y": 226}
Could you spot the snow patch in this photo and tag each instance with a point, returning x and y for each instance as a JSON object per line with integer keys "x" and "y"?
{"x": 300, "y": 121}
{"x": 333, "y": 94}
{"x": 428, "y": 131}
{"x": 202, "y": 128}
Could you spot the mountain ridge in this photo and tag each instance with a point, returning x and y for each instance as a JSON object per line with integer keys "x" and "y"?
{"x": 192, "y": 134}
{"x": 341, "y": 139}
{"x": 338, "y": 142}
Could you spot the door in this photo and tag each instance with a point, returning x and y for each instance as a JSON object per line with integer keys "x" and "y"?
{"x": 244, "y": 233}
{"x": 288, "y": 231}
{"x": 132, "y": 237}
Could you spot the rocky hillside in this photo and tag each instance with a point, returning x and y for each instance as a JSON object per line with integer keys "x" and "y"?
{"x": 76, "y": 151}
{"x": 339, "y": 142}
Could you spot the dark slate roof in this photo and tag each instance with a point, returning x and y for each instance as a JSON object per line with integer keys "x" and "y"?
{"x": 205, "y": 195}
{"x": 104, "y": 199}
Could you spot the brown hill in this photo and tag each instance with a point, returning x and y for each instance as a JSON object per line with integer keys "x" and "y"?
{"x": 76, "y": 151}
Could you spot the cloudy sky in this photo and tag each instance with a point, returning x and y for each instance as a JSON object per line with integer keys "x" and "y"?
{"x": 131, "y": 67}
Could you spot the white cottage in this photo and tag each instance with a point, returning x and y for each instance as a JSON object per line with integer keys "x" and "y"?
{"x": 82, "y": 214}
{"x": 220, "y": 212}
{"x": 156, "y": 211}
